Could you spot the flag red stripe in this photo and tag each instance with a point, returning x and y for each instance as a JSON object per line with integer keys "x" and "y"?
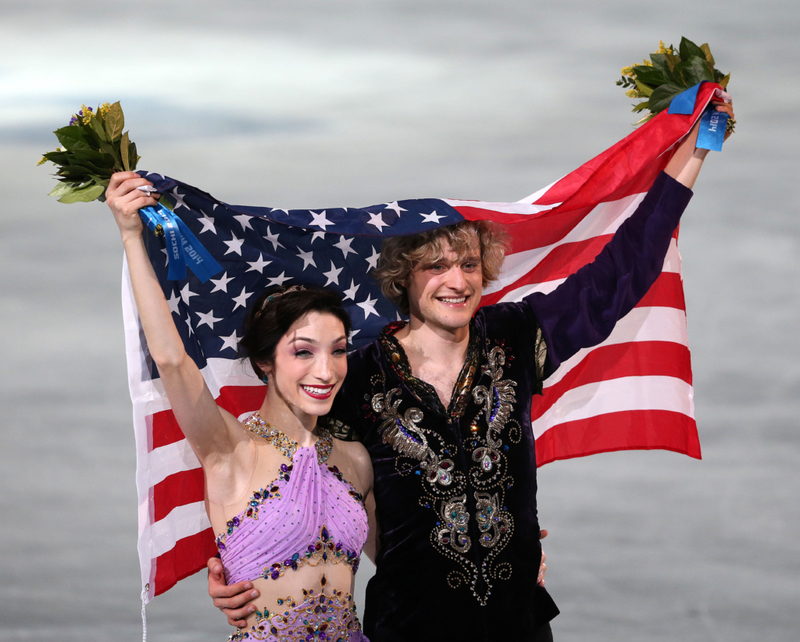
{"x": 235, "y": 399}
{"x": 633, "y": 161}
{"x": 184, "y": 487}
{"x": 666, "y": 292}
{"x": 188, "y": 556}
{"x": 629, "y": 430}
{"x": 643, "y": 359}
{"x": 240, "y": 399}
{"x": 165, "y": 429}
{"x": 549, "y": 229}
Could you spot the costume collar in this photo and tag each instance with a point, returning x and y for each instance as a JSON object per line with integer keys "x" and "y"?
{"x": 396, "y": 360}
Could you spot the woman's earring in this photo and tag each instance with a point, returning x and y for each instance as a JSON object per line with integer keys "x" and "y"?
{"x": 264, "y": 378}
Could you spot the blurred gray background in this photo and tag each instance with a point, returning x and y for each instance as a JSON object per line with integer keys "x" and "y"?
{"x": 324, "y": 103}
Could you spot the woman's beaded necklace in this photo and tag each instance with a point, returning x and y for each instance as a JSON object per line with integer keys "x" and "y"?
{"x": 284, "y": 444}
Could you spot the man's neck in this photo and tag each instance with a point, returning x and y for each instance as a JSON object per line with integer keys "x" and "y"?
{"x": 434, "y": 342}
{"x": 435, "y": 355}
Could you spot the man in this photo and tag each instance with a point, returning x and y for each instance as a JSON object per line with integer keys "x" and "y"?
{"x": 442, "y": 404}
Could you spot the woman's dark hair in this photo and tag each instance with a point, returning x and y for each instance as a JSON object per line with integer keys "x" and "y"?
{"x": 275, "y": 311}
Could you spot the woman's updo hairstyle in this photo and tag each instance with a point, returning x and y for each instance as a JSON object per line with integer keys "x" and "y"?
{"x": 275, "y": 311}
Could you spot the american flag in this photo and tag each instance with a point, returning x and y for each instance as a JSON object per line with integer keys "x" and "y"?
{"x": 632, "y": 392}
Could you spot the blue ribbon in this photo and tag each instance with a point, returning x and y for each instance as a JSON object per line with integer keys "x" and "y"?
{"x": 684, "y": 102}
{"x": 712, "y": 124}
{"x": 711, "y": 134}
{"x": 182, "y": 245}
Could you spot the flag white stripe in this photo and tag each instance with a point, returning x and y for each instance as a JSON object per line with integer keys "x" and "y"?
{"x": 618, "y": 395}
{"x": 135, "y": 360}
{"x": 520, "y": 207}
{"x": 605, "y": 219}
{"x": 170, "y": 459}
{"x": 672, "y": 264}
{"x": 182, "y": 521}
{"x": 639, "y": 325}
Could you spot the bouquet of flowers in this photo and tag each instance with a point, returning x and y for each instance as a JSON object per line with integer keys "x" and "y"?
{"x": 668, "y": 73}
{"x": 93, "y": 147}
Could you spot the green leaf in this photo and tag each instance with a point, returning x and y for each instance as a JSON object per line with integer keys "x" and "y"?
{"x": 108, "y": 148}
{"x": 100, "y": 159}
{"x": 678, "y": 77}
{"x": 696, "y": 70}
{"x": 707, "y": 51}
{"x": 115, "y": 122}
{"x": 83, "y": 194}
{"x": 662, "y": 97}
{"x": 641, "y": 106}
{"x": 60, "y": 190}
{"x": 647, "y": 90}
{"x": 659, "y": 61}
{"x": 59, "y": 158}
{"x": 672, "y": 60}
{"x": 650, "y": 75}
{"x": 689, "y": 49}
{"x": 723, "y": 83}
{"x": 72, "y": 137}
{"x": 97, "y": 128}
{"x": 73, "y": 172}
{"x": 98, "y": 170}
{"x": 133, "y": 160}
{"x": 124, "y": 151}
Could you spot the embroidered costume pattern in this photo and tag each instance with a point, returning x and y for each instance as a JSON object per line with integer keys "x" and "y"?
{"x": 447, "y": 490}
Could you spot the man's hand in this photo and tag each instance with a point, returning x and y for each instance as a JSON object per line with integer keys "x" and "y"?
{"x": 542, "y": 566}
{"x": 231, "y": 600}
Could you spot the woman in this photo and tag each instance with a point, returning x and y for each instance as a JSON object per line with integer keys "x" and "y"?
{"x": 288, "y": 501}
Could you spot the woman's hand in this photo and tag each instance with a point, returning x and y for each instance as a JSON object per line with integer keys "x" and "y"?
{"x": 728, "y": 109}
{"x": 125, "y": 201}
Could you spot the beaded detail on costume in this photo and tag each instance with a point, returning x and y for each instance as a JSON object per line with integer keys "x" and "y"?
{"x": 285, "y": 444}
{"x": 323, "y": 550}
{"x": 309, "y": 514}
{"x": 258, "y": 498}
{"x": 459, "y": 497}
{"x": 425, "y": 392}
{"x": 319, "y": 616}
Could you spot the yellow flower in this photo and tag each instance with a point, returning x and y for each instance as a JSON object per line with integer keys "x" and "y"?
{"x": 662, "y": 48}
{"x": 102, "y": 110}
{"x": 633, "y": 93}
{"x": 41, "y": 162}
{"x": 86, "y": 114}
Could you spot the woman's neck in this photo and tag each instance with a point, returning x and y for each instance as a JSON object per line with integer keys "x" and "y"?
{"x": 290, "y": 421}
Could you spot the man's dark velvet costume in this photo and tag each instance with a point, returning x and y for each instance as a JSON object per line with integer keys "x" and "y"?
{"x": 455, "y": 488}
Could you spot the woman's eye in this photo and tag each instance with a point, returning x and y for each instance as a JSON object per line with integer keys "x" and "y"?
{"x": 302, "y": 353}
{"x": 340, "y": 352}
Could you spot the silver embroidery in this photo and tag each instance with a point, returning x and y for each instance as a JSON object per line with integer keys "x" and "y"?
{"x": 455, "y": 519}
{"x": 401, "y": 433}
{"x": 493, "y": 522}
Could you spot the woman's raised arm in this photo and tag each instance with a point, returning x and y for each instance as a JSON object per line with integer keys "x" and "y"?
{"x": 212, "y": 432}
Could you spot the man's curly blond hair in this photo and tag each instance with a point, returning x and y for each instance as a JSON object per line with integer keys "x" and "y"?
{"x": 401, "y": 254}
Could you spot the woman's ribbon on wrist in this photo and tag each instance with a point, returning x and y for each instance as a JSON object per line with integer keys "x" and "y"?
{"x": 183, "y": 248}
{"x": 711, "y": 134}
